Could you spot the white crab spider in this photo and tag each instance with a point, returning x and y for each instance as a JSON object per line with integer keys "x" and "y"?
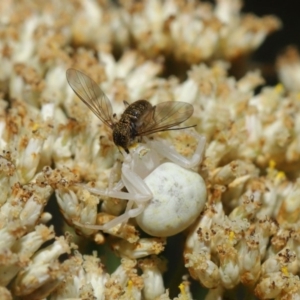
{"x": 146, "y": 165}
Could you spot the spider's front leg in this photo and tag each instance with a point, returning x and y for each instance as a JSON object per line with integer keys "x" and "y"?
{"x": 171, "y": 154}
{"x": 138, "y": 196}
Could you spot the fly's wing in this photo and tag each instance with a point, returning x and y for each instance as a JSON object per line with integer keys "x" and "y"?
{"x": 91, "y": 94}
{"x": 164, "y": 116}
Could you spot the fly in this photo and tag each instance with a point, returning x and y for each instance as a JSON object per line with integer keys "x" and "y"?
{"x": 139, "y": 118}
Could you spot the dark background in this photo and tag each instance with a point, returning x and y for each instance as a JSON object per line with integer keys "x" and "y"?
{"x": 264, "y": 58}
{"x": 289, "y": 13}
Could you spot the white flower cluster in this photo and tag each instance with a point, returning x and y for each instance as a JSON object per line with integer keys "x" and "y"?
{"x": 231, "y": 184}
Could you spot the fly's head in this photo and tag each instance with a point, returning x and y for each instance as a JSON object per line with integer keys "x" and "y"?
{"x": 122, "y": 136}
